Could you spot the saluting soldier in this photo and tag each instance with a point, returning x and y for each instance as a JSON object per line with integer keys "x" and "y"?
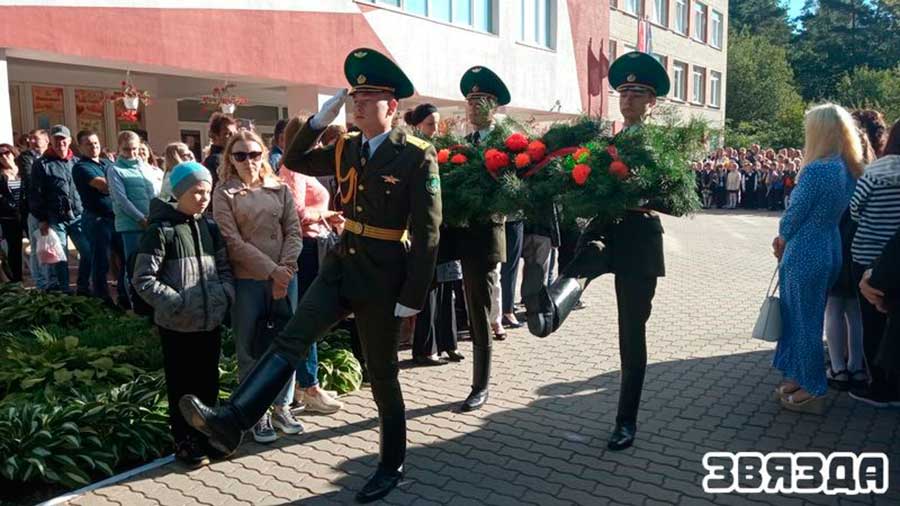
{"x": 381, "y": 271}
{"x": 630, "y": 247}
{"x": 480, "y": 246}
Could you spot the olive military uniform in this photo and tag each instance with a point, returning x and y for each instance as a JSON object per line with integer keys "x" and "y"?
{"x": 479, "y": 247}
{"x": 391, "y": 200}
{"x": 631, "y": 247}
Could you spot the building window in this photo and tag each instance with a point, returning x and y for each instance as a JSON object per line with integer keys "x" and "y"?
{"x": 477, "y": 14}
{"x": 536, "y": 22}
{"x": 718, "y": 21}
{"x": 660, "y": 58}
{"x": 632, "y": 6}
{"x": 715, "y": 89}
{"x": 698, "y": 89}
{"x": 681, "y": 16}
{"x": 679, "y": 77}
{"x": 699, "y": 21}
{"x": 660, "y": 14}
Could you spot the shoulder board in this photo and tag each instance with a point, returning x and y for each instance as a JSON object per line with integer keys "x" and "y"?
{"x": 417, "y": 142}
{"x": 351, "y": 135}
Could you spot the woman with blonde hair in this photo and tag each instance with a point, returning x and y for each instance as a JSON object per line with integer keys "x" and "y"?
{"x": 175, "y": 153}
{"x": 809, "y": 248}
{"x": 256, "y": 214}
{"x": 153, "y": 171}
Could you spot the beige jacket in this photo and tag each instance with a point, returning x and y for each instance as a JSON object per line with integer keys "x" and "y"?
{"x": 260, "y": 227}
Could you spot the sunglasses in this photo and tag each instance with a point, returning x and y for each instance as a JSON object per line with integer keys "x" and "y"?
{"x": 241, "y": 156}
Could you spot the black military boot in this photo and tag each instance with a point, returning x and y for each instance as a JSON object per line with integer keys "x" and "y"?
{"x": 225, "y": 424}
{"x": 481, "y": 367}
{"x": 622, "y": 436}
{"x": 380, "y": 484}
{"x": 549, "y": 308}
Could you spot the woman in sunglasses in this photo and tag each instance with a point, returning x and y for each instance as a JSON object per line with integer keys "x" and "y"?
{"x": 13, "y": 208}
{"x": 256, "y": 215}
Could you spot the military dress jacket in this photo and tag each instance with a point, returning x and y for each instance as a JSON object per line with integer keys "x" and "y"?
{"x": 397, "y": 189}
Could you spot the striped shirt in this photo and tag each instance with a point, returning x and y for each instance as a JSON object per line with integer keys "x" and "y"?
{"x": 875, "y": 206}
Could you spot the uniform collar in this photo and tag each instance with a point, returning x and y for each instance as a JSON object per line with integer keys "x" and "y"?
{"x": 374, "y": 142}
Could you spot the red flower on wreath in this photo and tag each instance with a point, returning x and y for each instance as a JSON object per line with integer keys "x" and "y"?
{"x": 494, "y": 160}
{"x": 618, "y": 169}
{"x": 459, "y": 159}
{"x": 517, "y": 142}
{"x": 613, "y": 152}
{"x": 443, "y": 156}
{"x": 536, "y": 150}
{"x": 580, "y": 173}
{"x": 581, "y": 155}
{"x": 522, "y": 160}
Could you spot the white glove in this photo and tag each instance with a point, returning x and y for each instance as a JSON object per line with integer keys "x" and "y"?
{"x": 401, "y": 311}
{"x": 329, "y": 111}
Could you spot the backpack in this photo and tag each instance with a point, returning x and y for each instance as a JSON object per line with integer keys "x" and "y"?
{"x": 138, "y": 304}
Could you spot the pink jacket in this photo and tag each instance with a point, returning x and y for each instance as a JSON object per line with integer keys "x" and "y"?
{"x": 309, "y": 195}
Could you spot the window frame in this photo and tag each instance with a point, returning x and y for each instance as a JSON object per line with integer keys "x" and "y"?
{"x": 703, "y": 73}
{"x": 715, "y": 99}
{"x": 685, "y": 18}
{"x": 530, "y": 33}
{"x": 683, "y": 67}
{"x": 713, "y": 33}
{"x": 699, "y": 8}
{"x": 476, "y": 23}
{"x": 664, "y": 22}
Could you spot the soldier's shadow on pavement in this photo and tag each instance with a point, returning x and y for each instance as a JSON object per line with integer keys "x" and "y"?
{"x": 555, "y": 447}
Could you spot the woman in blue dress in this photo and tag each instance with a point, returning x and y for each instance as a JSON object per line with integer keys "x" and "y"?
{"x": 809, "y": 248}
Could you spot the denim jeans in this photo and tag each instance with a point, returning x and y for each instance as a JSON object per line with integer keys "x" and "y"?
{"x": 99, "y": 231}
{"x": 56, "y": 276}
{"x": 40, "y": 273}
{"x": 308, "y": 374}
{"x": 82, "y": 241}
{"x": 130, "y": 243}
{"x": 250, "y": 302}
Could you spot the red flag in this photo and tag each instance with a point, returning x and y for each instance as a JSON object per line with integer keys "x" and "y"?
{"x": 598, "y": 68}
{"x": 641, "y": 40}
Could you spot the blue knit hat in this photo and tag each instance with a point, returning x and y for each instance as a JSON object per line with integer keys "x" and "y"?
{"x": 185, "y": 175}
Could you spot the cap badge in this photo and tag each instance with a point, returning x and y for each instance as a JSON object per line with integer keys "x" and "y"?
{"x": 475, "y": 88}
{"x": 476, "y": 70}
{"x": 361, "y": 79}
{"x": 360, "y": 54}
{"x": 631, "y": 78}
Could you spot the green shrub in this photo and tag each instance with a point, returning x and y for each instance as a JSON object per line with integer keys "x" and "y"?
{"x": 71, "y": 439}
{"x": 20, "y": 309}
{"x": 339, "y": 370}
{"x": 49, "y": 363}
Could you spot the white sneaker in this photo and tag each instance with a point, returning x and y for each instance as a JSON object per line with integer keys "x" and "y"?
{"x": 263, "y": 432}
{"x": 321, "y": 403}
{"x": 284, "y": 421}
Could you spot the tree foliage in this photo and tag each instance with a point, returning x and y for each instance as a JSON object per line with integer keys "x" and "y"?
{"x": 871, "y": 89}
{"x": 763, "y": 103}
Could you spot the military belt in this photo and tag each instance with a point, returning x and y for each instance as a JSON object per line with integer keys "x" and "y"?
{"x": 384, "y": 234}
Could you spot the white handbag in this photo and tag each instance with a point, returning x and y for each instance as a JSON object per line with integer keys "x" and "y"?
{"x": 768, "y": 323}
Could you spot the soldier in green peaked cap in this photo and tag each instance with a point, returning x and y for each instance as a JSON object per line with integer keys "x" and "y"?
{"x": 381, "y": 271}
{"x": 630, "y": 247}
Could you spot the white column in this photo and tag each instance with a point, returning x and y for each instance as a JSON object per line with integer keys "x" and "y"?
{"x": 306, "y": 101}
{"x": 162, "y": 123}
{"x": 6, "y": 129}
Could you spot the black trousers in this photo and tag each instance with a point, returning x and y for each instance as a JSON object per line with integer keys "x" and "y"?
{"x": 509, "y": 270}
{"x": 634, "y": 298}
{"x": 479, "y": 277}
{"x": 191, "y": 365}
{"x": 13, "y": 232}
{"x": 436, "y": 324}
{"x": 323, "y": 306}
{"x": 874, "y": 323}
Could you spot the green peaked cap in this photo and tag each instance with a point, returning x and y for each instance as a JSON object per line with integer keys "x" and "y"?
{"x": 368, "y": 70}
{"x": 482, "y": 81}
{"x": 639, "y": 71}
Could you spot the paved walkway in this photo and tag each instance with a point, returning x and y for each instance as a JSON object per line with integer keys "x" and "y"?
{"x": 541, "y": 439}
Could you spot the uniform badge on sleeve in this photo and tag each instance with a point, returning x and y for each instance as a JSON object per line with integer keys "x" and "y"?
{"x": 433, "y": 184}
